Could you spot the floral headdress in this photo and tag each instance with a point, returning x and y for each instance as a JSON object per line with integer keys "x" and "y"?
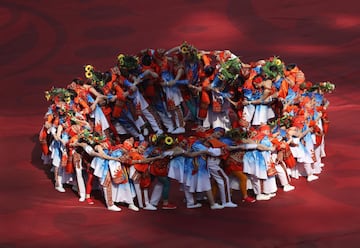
{"x": 323, "y": 86}
{"x": 229, "y": 70}
{"x": 97, "y": 78}
{"x": 127, "y": 61}
{"x": 54, "y": 93}
{"x": 273, "y": 67}
{"x": 62, "y": 94}
{"x": 236, "y": 134}
{"x": 189, "y": 50}
{"x": 98, "y": 137}
{"x": 87, "y": 136}
{"x": 185, "y": 48}
{"x": 283, "y": 121}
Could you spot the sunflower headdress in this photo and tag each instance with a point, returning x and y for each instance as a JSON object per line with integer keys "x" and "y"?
{"x": 189, "y": 51}
{"x": 185, "y": 48}
{"x": 68, "y": 94}
{"x": 128, "y": 62}
{"x": 169, "y": 141}
{"x": 97, "y": 78}
{"x": 273, "y": 67}
{"x": 153, "y": 138}
{"x": 89, "y": 69}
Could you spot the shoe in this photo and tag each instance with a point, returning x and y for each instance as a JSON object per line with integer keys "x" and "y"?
{"x": 168, "y": 206}
{"x": 272, "y": 195}
{"x": 178, "y": 130}
{"x": 114, "y": 208}
{"x": 216, "y": 206}
{"x": 82, "y": 199}
{"x": 312, "y": 178}
{"x": 145, "y": 132}
{"x": 288, "y": 188}
{"x": 249, "y": 199}
{"x": 149, "y": 207}
{"x": 89, "y": 201}
{"x": 60, "y": 189}
{"x": 197, "y": 205}
{"x": 230, "y": 205}
{"x": 159, "y": 132}
{"x": 262, "y": 197}
{"x": 133, "y": 207}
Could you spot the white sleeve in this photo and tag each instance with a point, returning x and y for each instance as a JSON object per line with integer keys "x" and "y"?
{"x": 215, "y": 151}
{"x": 249, "y": 146}
{"x": 88, "y": 149}
{"x": 168, "y": 153}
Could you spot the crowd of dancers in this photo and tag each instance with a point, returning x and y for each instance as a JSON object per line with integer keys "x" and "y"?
{"x": 206, "y": 119}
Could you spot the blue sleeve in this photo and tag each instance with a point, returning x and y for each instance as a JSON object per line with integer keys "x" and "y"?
{"x": 127, "y": 83}
{"x": 215, "y": 82}
{"x": 182, "y": 82}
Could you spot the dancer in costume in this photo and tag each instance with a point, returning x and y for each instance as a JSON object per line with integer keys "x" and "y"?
{"x": 171, "y": 86}
{"x": 159, "y": 170}
{"x": 179, "y": 167}
{"x": 218, "y": 151}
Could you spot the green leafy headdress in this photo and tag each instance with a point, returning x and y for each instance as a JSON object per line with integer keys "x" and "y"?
{"x": 229, "y": 70}
{"x": 273, "y": 67}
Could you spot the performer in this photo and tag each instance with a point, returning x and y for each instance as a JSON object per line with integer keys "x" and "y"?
{"x": 217, "y": 150}
{"x": 159, "y": 170}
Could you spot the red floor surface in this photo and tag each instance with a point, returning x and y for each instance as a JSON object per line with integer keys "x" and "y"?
{"x": 46, "y": 43}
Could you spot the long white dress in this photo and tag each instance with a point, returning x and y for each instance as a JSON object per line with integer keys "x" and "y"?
{"x": 177, "y": 169}
{"x": 121, "y": 192}
{"x": 197, "y": 172}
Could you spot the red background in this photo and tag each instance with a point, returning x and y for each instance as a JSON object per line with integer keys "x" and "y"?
{"x": 46, "y": 43}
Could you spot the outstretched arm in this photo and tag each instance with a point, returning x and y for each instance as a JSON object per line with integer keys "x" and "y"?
{"x": 250, "y": 146}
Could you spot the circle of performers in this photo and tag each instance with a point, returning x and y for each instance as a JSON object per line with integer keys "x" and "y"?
{"x": 206, "y": 119}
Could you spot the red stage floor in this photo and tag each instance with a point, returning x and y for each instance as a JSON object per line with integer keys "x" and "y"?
{"x": 46, "y": 43}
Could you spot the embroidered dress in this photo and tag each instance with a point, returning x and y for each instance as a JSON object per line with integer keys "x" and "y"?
{"x": 269, "y": 184}
{"x": 58, "y": 150}
{"x": 121, "y": 192}
{"x": 125, "y": 191}
{"x": 173, "y": 94}
{"x": 199, "y": 179}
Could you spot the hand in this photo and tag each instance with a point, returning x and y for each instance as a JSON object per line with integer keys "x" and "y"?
{"x": 154, "y": 74}
{"x": 171, "y": 83}
{"x": 137, "y": 81}
{"x": 133, "y": 88}
{"x": 47, "y": 125}
{"x": 113, "y": 99}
